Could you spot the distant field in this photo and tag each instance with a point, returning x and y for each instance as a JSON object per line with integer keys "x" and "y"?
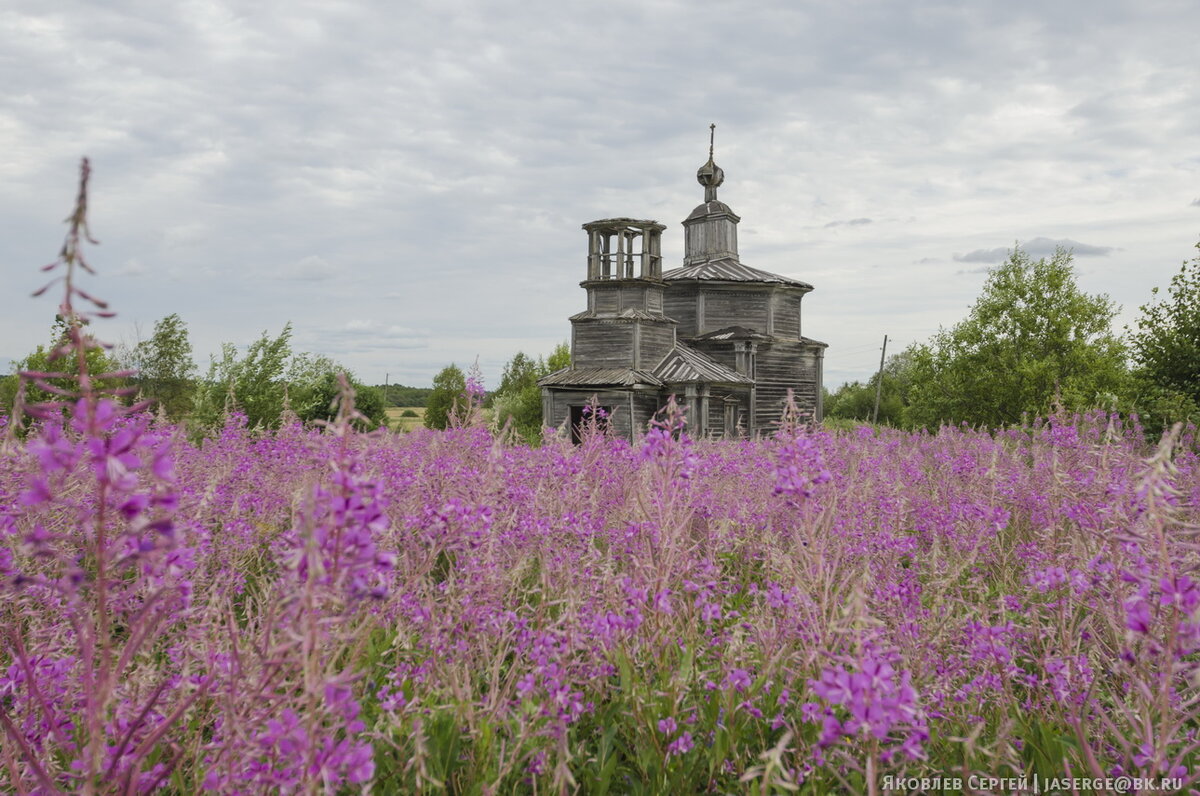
{"x": 396, "y": 421}
{"x": 399, "y": 423}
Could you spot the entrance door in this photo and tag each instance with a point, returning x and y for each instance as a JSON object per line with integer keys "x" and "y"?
{"x": 582, "y": 418}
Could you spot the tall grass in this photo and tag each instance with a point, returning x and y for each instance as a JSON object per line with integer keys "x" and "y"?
{"x": 322, "y": 610}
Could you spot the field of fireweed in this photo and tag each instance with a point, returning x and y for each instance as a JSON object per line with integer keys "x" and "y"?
{"x": 324, "y": 610}
{"x": 328, "y": 610}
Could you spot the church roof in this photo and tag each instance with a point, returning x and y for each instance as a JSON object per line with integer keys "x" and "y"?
{"x": 629, "y": 313}
{"x": 599, "y": 377}
{"x": 711, "y": 209}
{"x": 728, "y": 270}
{"x": 685, "y": 364}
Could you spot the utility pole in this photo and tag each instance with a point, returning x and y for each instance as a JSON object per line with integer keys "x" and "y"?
{"x": 879, "y": 381}
{"x": 387, "y": 389}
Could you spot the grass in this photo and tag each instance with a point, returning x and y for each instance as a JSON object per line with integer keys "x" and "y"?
{"x": 397, "y": 420}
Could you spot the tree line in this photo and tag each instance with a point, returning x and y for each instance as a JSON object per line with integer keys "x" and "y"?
{"x": 1033, "y": 342}
{"x": 269, "y": 380}
{"x": 265, "y": 383}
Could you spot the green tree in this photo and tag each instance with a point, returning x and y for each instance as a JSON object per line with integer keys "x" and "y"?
{"x": 518, "y": 399}
{"x": 313, "y": 388}
{"x": 166, "y": 371}
{"x": 399, "y": 395}
{"x": 253, "y": 383}
{"x": 856, "y": 400}
{"x": 559, "y": 358}
{"x": 1167, "y": 342}
{"x": 1166, "y": 349}
{"x": 39, "y": 360}
{"x": 447, "y": 398}
{"x": 1032, "y": 337}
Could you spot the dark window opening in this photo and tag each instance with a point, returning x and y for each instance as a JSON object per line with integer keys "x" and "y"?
{"x": 589, "y": 419}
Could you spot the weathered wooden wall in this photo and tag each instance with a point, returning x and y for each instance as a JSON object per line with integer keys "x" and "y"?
{"x": 783, "y": 365}
{"x": 602, "y": 344}
{"x": 679, "y": 303}
{"x": 712, "y": 240}
{"x": 717, "y": 427}
{"x": 561, "y": 402}
{"x": 725, "y": 308}
{"x": 655, "y": 341}
{"x": 786, "y": 313}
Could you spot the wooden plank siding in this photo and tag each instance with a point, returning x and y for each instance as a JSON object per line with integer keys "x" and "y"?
{"x": 600, "y": 344}
{"x": 655, "y": 341}
{"x": 714, "y": 239}
{"x": 787, "y": 315}
{"x": 680, "y": 304}
{"x": 734, "y": 308}
{"x": 605, "y": 301}
{"x": 654, "y": 302}
{"x": 646, "y": 404}
{"x": 561, "y": 401}
{"x": 781, "y": 366}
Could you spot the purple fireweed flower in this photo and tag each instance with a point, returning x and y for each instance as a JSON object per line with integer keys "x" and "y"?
{"x": 537, "y": 764}
{"x": 738, "y": 679}
{"x": 681, "y": 745}
{"x": 1137, "y": 615}
{"x": 799, "y": 465}
{"x": 751, "y": 709}
{"x": 879, "y": 701}
{"x": 1181, "y": 592}
{"x": 667, "y": 725}
{"x": 668, "y": 446}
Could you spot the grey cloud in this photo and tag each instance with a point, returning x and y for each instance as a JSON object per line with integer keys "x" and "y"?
{"x": 451, "y": 151}
{"x": 981, "y": 270}
{"x": 1038, "y": 247}
{"x": 1195, "y": 203}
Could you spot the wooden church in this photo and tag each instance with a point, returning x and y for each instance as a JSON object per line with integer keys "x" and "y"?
{"x": 723, "y": 338}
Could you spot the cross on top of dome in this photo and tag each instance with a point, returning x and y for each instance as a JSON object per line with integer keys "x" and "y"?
{"x": 710, "y": 175}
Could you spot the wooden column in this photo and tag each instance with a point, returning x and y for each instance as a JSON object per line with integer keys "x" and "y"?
{"x": 593, "y": 255}
{"x": 690, "y": 401}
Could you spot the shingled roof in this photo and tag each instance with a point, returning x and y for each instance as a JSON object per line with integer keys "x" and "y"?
{"x": 685, "y": 364}
{"x": 728, "y": 270}
{"x": 599, "y": 377}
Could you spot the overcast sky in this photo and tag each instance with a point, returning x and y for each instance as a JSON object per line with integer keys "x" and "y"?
{"x": 405, "y": 181}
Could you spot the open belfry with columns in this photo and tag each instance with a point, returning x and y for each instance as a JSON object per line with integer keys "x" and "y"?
{"x": 722, "y": 337}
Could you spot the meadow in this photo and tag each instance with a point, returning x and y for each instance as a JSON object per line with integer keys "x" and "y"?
{"x": 323, "y": 610}
{"x": 405, "y": 418}
{"x": 320, "y": 609}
